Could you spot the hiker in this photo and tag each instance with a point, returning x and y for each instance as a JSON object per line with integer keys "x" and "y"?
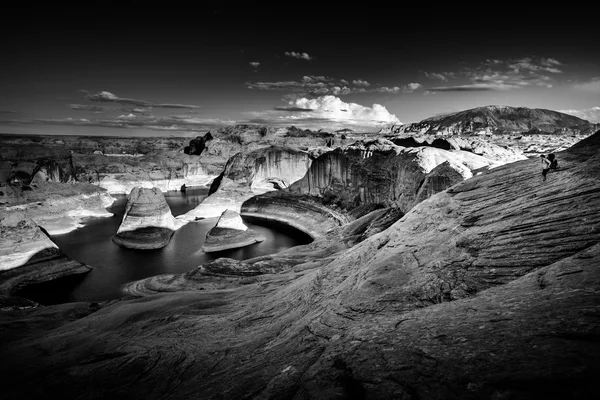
{"x": 545, "y": 166}
{"x": 553, "y": 161}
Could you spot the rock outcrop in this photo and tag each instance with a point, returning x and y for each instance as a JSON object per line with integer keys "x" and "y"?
{"x": 28, "y": 256}
{"x": 487, "y": 290}
{"x": 250, "y": 174}
{"x": 380, "y": 172}
{"x": 57, "y": 207}
{"x": 230, "y": 233}
{"x": 148, "y": 222}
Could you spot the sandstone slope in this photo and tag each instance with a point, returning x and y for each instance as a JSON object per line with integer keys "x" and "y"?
{"x": 27, "y": 255}
{"x": 488, "y": 290}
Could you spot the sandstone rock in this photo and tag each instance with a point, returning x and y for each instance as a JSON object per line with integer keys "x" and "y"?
{"x": 247, "y": 175}
{"x": 488, "y": 290}
{"x": 28, "y": 256}
{"x": 57, "y": 207}
{"x": 148, "y": 222}
{"x": 230, "y": 233}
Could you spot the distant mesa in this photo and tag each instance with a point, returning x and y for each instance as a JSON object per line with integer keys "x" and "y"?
{"x": 148, "y": 222}
{"x": 230, "y": 233}
{"x": 493, "y": 120}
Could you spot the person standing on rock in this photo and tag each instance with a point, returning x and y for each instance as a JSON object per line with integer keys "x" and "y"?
{"x": 545, "y": 166}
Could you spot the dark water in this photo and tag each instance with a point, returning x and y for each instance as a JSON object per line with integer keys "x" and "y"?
{"x": 114, "y": 265}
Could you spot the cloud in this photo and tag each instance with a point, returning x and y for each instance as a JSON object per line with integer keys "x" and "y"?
{"x": 300, "y": 56}
{"x": 593, "y": 85}
{"x": 319, "y": 85}
{"x": 88, "y": 107}
{"x": 529, "y": 64}
{"x": 442, "y": 76}
{"x": 590, "y": 114}
{"x": 326, "y": 112}
{"x": 359, "y": 82}
{"x": 132, "y": 121}
{"x": 411, "y": 87}
{"x": 7, "y": 112}
{"x": 475, "y": 87}
{"x": 107, "y": 97}
{"x": 292, "y": 109}
{"x": 254, "y": 64}
{"x": 497, "y": 75}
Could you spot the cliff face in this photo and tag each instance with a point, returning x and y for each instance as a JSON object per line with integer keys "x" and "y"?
{"x": 379, "y": 172}
{"x": 250, "y": 174}
{"x": 27, "y": 255}
{"x": 488, "y": 290}
{"x": 34, "y": 164}
{"x": 148, "y": 222}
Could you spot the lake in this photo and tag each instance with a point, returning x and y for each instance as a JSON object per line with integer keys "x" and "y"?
{"x": 115, "y": 266}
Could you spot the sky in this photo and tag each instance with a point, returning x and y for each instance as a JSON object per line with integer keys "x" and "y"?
{"x": 180, "y": 69}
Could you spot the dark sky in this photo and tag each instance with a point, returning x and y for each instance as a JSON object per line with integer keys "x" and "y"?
{"x": 182, "y": 68}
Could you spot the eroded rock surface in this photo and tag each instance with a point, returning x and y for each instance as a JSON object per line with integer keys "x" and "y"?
{"x": 250, "y": 174}
{"x": 230, "y": 233}
{"x": 28, "y": 256}
{"x": 148, "y": 222}
{"x": 489, "y": 290}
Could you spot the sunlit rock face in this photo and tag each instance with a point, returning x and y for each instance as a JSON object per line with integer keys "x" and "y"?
{"x": 148, "y": 222}
{"x": 230, "y": 233}
{"x": 381, "y": 172}
{"x": 27, "y": 255}
{"x": 166, "y": 171}
{"x": 482, "y": 291}
{"x": 247, "y": 175}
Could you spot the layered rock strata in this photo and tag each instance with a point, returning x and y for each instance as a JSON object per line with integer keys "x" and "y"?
{"x": 230, "y": 233}
{"x": 381, "y": 172}
{"x": 251, "y": 174}
{"x": 148, "y": 222}
{"x": 28, "y": 256}
{"x": 57, "y": 207}
{"x": 487, "y": 290}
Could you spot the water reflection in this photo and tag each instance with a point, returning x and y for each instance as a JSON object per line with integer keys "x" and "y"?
{"x": 114, "y": 265}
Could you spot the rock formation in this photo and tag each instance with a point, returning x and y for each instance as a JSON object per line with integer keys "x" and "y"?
{"x": 492, "y": 120}
{"x": 250, "y": 174}
{"x": 28, "y": 256}
{"x": 197, "y": 145}
{"x": 57, "y": 207}
{"x": 230, "y": 233}
{"x": 380, "y": 172}
{"x": 487, "y": 290}
{"x": 148, "y": 222}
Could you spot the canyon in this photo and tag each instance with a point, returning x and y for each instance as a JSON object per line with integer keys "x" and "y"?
{"x": 441, "y": 266}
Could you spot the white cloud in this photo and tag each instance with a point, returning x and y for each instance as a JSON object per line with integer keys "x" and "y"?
{"x": 335, "y": 109}
{"x": 411, "y": 87}
{"x": 593, "y": 85}
{"x": 300, "y": 56}
{"x": 254, "y": 64}
{"x": 360, "y": 82}
{"x": 591, "y": 114}
{"x": 108, "y": 97}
